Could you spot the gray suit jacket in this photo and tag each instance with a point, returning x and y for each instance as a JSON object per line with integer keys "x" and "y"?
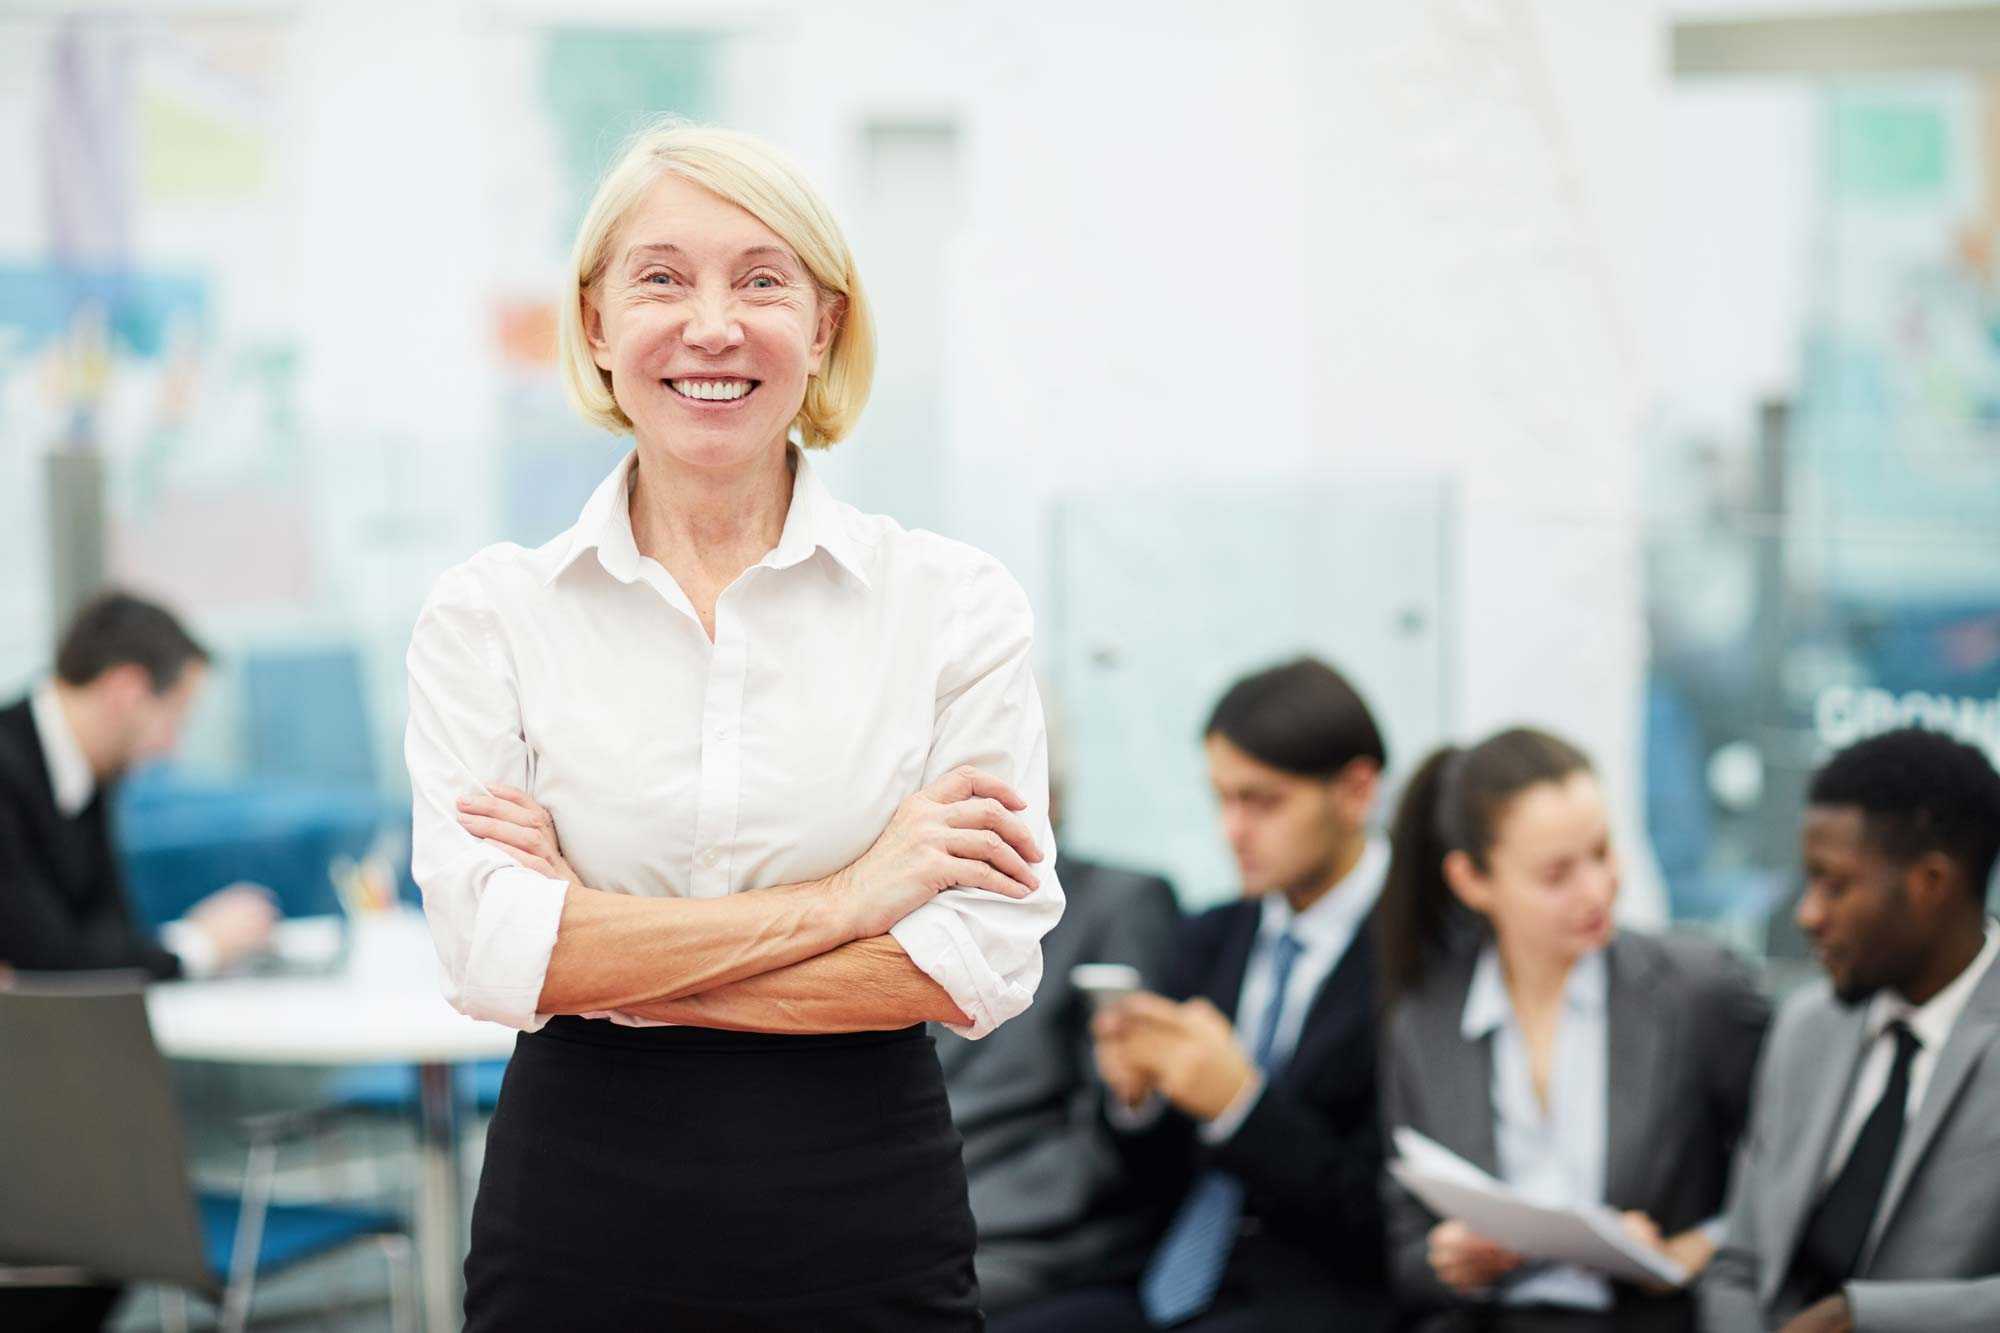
{"x": 1932, "y": 1264}
{"x": 1685, "y": 1020}
{"x": 1047, "y": 1184}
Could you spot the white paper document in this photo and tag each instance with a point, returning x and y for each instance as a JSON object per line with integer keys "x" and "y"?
{"x": 1589, "y": 1237}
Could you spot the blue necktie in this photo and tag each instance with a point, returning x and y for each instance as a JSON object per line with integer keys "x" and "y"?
{"x": 1185, "y": 1272}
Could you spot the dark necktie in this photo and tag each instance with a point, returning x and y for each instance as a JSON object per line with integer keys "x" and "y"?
{"x": 1831, "y": 1247}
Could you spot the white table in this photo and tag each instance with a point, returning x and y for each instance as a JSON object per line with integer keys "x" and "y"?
{"x": 384, "y": 1007}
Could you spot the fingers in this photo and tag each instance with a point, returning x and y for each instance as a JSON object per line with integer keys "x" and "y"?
{"x": 1143, "y": 1008}
{"x": 983, "y": 845}
{"x": 528, "y": 859}
{"x": 523, "y": 812}
{"x": 987, "y": 813}
{"x": 980, "y": 875}
{"x": 505, "y": 832}
{"x": 965, "y": 782}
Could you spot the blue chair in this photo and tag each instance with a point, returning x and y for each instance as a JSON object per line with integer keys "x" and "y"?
{"x": 97, "y": 1186}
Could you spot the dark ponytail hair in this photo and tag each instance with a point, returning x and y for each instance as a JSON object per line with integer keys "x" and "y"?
{"x": 1453, "y": 803}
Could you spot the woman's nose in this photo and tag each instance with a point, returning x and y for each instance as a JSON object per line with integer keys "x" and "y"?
{"x": 711, "y": 325}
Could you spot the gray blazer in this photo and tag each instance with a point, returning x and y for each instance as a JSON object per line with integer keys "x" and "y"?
{"x": 1933, "y": 1262}
{"x": 1685, "y": 1022}
{"x": 1047, "y": 1184}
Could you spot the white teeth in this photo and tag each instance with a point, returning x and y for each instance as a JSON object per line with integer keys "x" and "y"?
{"x": 711, "y": 390}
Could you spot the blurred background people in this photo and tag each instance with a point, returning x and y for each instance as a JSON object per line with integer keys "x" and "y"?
{"x": 1245, "y": 1089}
{"x": 1865, "y": 1195}
{"x": 1580, "y": 1063}
{"x": 125, "y": 676}
{"x": 1054, "y": 1204}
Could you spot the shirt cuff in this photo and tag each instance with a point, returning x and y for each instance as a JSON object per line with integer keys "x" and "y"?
{"x": 1716, "y": 1229}
{"x": 1223, "y": 1128}
{"x": 187, "y": 942}
{"x": 937, "y": 941}
{"x": 512, "y": 938}
{"x": 1135, "y": 1119}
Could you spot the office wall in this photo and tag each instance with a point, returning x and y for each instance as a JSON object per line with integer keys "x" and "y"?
{"x": 1198, "y": 244}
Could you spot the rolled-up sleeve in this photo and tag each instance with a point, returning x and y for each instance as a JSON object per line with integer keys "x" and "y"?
{"x": 985, "y": 949}
{"x": 492, "y": 919}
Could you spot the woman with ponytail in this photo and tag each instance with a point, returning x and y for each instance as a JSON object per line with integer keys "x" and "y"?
{"x": 1580, "y": 1063}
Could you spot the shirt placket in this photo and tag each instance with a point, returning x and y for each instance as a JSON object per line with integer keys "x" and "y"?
{"x": 721, "y": 757}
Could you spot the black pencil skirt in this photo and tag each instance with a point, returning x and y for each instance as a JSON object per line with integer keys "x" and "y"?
{"x": 686, "y": 1179}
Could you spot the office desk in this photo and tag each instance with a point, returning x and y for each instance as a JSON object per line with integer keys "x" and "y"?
{"x": 385, "y": 1005}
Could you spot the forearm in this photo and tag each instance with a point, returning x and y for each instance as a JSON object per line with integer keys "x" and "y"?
{"x": 616, "y": 951}
{"x": 865, "y": 986}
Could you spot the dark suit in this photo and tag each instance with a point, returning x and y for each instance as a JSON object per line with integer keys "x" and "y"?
{"x": 1684, "y": 1024}
{"x": 1048, "y": 1188}
{"x": 62, "y": 894}
{"x": 1309, "y": 1251}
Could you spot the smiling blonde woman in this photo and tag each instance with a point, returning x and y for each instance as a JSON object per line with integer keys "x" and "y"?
{"x": 719, "y": 797}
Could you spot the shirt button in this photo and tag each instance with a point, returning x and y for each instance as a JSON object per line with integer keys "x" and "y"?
{"x": 711, "y": 858}
{"x": 722, "y": 733}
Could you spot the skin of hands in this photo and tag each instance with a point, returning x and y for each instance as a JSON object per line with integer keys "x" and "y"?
{"x": 1186, "y": 1051}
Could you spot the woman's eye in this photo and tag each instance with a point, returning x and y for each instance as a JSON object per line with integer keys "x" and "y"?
{"x": 765, "y": 282}
{"x": 658, "y": 278}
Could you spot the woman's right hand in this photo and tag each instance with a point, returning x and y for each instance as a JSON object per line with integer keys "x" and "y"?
{"x": 958, "y": 832}
{"x": 1466, "y": 1261}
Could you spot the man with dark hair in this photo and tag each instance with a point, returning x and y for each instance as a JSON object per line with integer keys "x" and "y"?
{"x": 1865, "y": 1193}
{"x": 126, "y": 675}
{"x": 1246, "y": 1092}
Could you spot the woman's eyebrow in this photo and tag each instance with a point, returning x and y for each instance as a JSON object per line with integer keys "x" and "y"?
{"x": 661, "y": 249}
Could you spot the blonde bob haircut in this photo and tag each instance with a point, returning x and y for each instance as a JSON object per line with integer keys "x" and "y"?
{"x": 757, "y": 179}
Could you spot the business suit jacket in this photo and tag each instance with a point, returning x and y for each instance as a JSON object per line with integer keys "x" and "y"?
{"x": 1309, "y": 1154}
{"x": 62, "y": 893}
{"x": 1932, "y": 1263}
{"x": 1048, "y": 1187}
{"x": 1684, "y": 1025}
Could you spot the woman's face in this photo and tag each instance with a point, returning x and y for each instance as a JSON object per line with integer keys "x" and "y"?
{"x": 709, "y": 325}
{"x": 1551, "y": 876}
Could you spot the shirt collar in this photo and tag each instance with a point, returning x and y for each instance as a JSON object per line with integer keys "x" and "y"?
{"x": 69, "y": 768}
{"x": 1487, "y": 1006}
{"x": 815, "y": 521}
{"x": 1933, "y": 1020}
{"x": 1336, "y": 914}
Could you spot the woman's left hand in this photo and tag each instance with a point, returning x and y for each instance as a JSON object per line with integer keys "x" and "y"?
{"x": 1692, "y": 1249}
{"x": 515, "y": 822}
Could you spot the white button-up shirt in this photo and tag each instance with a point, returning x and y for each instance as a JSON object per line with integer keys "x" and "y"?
{"x": 854, "y": 664}
{"x": 1550, "y": 1155}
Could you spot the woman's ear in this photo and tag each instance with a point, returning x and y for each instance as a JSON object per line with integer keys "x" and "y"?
{"x": 1467, "y": 884}
{"x": 831, "y": 308}
{"x": 593, "y": 330}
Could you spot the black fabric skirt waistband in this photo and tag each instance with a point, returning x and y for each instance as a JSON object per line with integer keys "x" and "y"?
{"x": 694, "y": 1041}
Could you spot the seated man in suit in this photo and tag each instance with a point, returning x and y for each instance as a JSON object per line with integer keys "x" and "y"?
{"x": 126, "y": 675}
{"x": 1245, "y": 1092}
{"x": 1865, "y": 1196}
{"x": 1049, "y": 1191}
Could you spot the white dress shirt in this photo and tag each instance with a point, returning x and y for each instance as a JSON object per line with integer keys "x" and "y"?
{"x": 74, "y": 784}
{"x": 1551, "y": 1155}
{"x": 1932, "y": 1023}
{"x": 853, "y": 665}
{"x": 1324, "y": 931}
